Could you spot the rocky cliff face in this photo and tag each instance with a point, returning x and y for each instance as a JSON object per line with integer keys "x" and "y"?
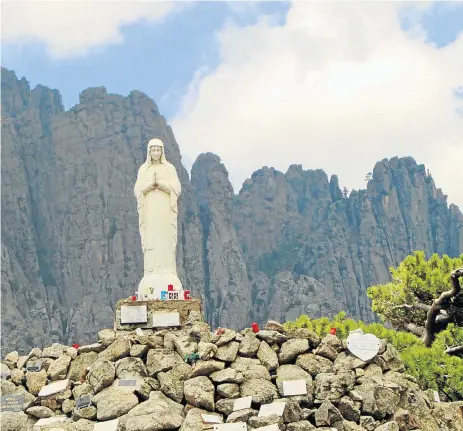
{"x": 286, "y": 244}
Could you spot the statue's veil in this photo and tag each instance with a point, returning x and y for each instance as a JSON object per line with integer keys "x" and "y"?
{"x": 155, "y": 143}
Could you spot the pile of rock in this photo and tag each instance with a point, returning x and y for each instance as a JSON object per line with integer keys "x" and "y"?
{"x": 188, "y": 378}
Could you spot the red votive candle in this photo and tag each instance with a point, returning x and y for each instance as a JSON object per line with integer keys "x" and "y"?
{"x": 333, "y": 331}
{"x": 255, "y": 327}
{"x": 134, "y": 298}
{"x": 186, "y": 294}
{"x": 170, "y": 287}
{"x": 76, "y": 346}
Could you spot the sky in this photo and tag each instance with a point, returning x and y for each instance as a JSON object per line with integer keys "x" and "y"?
{"x": 329, "y": 85}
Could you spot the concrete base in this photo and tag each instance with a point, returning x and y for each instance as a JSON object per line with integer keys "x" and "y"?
{"x": 156, "y": 306}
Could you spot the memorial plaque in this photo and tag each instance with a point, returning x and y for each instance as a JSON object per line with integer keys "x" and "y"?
{"x": 139, "y": 332}
{"x": 364, "y": 346}
{"x": 294, "y": 387}
{"x": 83, "y": 401}
{"x": 54, "y": 388}
{"x": 11, "y": 403}
{"x": 50, "y": 421}
{"x": 106, "y": 425}
{"x": 134, "y": 314}
{"x": 211, "y": 419}
{"x": 273, "y": 427}
{"x": 34, "y": 366}
{"x": 271, "y": 409}
{"x": 166, "y": 319}
{"x": 237, "y": 426}
{"x": 127, "y": 382}
{"x": 242, "y": 403}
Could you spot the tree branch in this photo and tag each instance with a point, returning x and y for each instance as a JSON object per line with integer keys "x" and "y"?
{"x": 437, "y": 306}
{"x": 419, "y": 331}
{"x": 418, "y": 306}
{"x": 457, "y": 350}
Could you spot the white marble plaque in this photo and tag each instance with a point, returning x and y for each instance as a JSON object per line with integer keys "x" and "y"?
{"x": 166, "y": 319}
{"x": 364, "y": 346}
{"x": 273, "y": 427}
{"x": 271, "y": 409}
{"x": 211, "y": 419}
{"x": 106, "y": 426}
{"x": 242, "y": 403}
{"x": 436, "y": 396}
{"x": 237, "y": 426}
{"x": 294, "y": 387}
{"x": 134, "y": 314}
{"x": 50, "y": 421}
{"x": 127, "y": 382}
{"x": 54, "y": 388}
{"x": 139, "y": 332}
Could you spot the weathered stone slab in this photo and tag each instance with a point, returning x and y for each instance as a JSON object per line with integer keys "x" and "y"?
{"x": 183, "y": 308}
{"x": 54, "y": 388}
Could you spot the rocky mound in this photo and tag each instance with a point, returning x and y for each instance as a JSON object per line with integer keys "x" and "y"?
{"x": 147, "y": 380}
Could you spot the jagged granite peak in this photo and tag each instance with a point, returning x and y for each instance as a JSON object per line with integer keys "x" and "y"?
{"x": 288, "y": 243}
{"x": 70, "y": 239}
{"x": 227, "y": 287}
{"x": 300, "y": 222}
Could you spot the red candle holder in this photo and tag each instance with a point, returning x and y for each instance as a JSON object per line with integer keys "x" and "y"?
{"x": 76, "y": 346}
{"x": 255, "y": 327}
{"x": 134, "y": 297}
{"x": 170, "y": 288}
{"x": 333, "y": 331}
{"x": 186, "y": 294}
{"x": 219, "y": 331}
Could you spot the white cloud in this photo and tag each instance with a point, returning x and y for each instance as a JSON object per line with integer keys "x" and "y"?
{"x": 338, "y": 87}
{"x": 70, "y": 27}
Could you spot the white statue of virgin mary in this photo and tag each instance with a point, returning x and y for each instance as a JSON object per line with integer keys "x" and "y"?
{"x": 157, "y": 190}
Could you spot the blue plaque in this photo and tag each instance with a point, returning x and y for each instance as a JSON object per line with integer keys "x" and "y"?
{"x": 12, "y": 403}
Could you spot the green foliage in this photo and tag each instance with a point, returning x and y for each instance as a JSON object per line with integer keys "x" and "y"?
{"x": 432, "y": 368}
{"x": 415, "y": 282}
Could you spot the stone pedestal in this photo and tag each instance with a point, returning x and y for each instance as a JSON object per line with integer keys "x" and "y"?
{"x": 183, "y": 308}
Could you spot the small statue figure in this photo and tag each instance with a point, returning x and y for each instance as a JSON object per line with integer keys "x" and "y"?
{"x": 157, "y": 190}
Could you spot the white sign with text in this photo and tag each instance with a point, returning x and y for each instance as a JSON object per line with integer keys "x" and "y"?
{"x": 166, "y": 319}
{"x": 272, "y": 409}
{"x": 242, "y": 403}
{"x": 134, "y": 314}
{"x": 237, "y": 426}
{"x": 294, "y": 387}
{"x": 364, "y": 346}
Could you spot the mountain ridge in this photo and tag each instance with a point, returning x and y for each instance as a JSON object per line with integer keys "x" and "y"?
{"x": 286, "y": 243}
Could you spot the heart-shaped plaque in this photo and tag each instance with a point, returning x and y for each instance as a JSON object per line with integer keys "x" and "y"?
{"x": 364, "y": 346}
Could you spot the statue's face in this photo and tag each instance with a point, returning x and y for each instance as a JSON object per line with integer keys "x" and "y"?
{"x": 155, "y": 153}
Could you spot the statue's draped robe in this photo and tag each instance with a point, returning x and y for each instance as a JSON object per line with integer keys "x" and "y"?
{"x": 158, "y": 213}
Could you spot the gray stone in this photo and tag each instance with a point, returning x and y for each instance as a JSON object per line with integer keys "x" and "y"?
{"x": 262, "y": 391}
{"x": 199, "y": 392}
{"x": 267, "y": 356}
{"x": 101, "y": 375}
{"x": 227, "y": 352}
{"x": 228, "y": 390}
{"x": 272, "y": 337}
{"x": 291, "y": 349}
